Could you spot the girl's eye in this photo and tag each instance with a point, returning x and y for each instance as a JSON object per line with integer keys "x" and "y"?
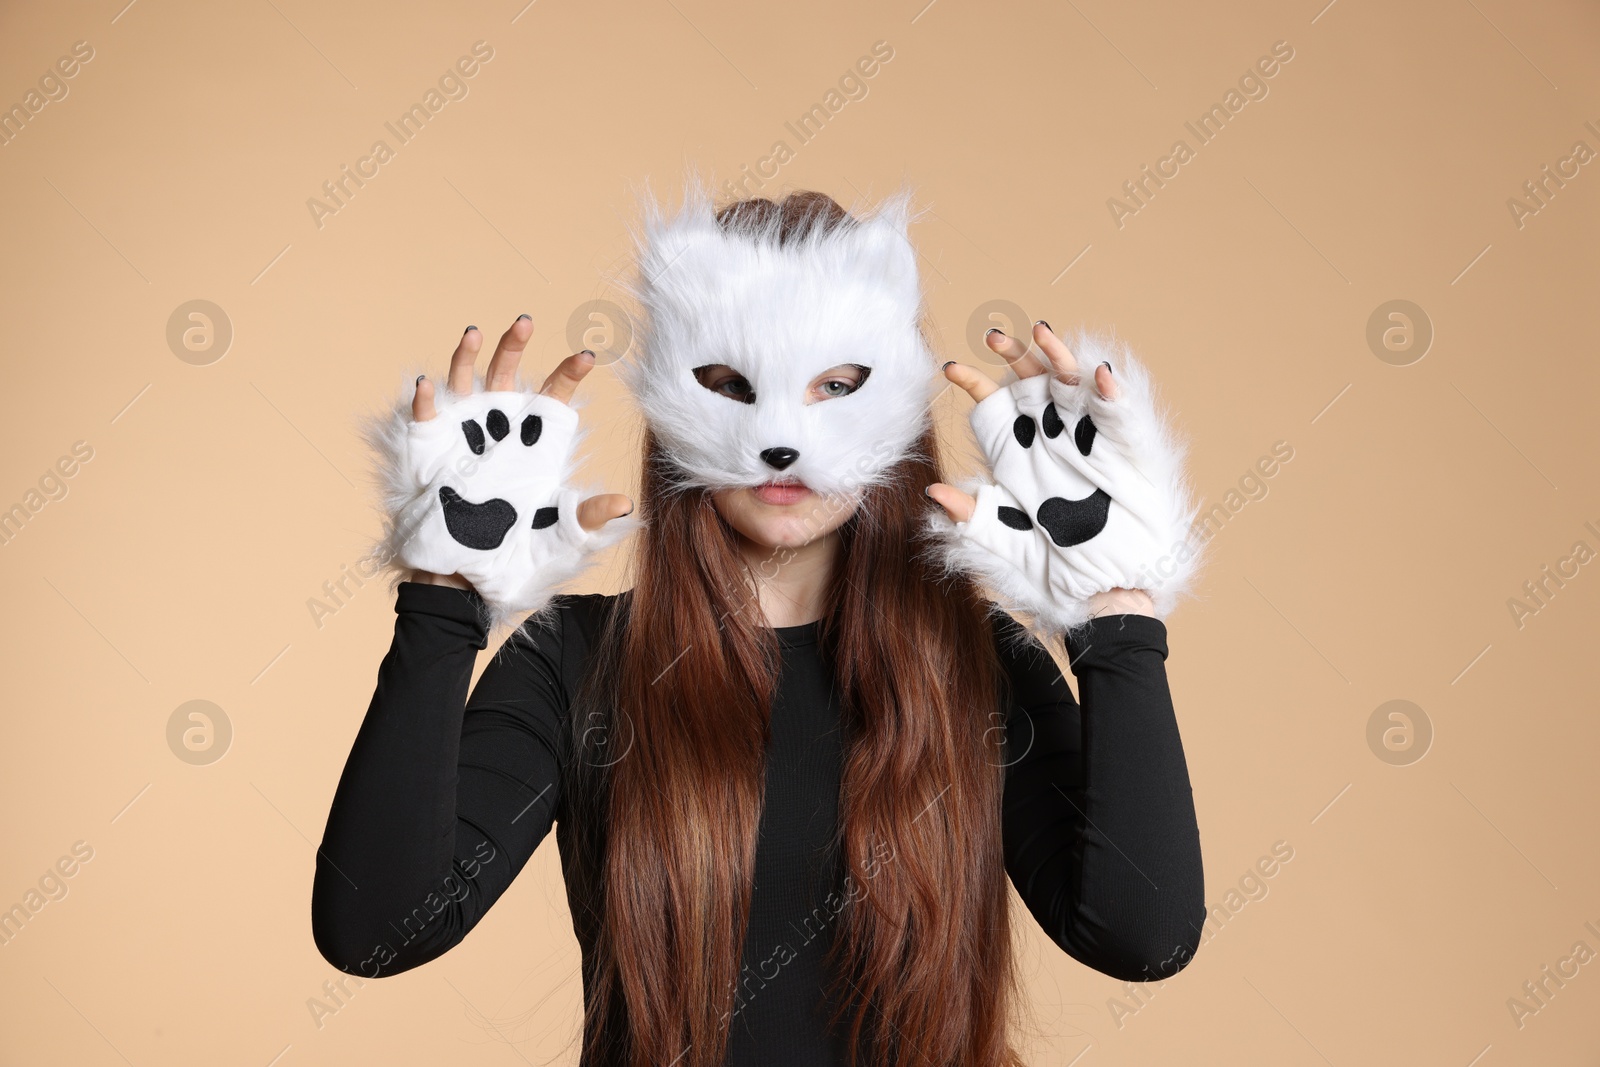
{"x": 841, "y": 381}
{"x": 725, "y": 381}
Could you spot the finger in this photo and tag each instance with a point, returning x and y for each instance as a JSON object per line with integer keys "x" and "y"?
{"x": 422, "y": 408}
{"x": 977, "y": 385}
{"x": 462, "y": 360}
{"x": 502, "y": 372}
{"x": 1056, "y": 351}
{"x": 563, "y": 381}
{"x": 1017, "y": 355}
{"x": 958, "y": 505}
{"x": 1106, "y": 382}
{"x": 599, "y": 510}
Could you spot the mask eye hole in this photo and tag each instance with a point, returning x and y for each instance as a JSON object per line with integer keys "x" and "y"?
{"x": 725, "y": 381}
{"x": 838, "y": 381}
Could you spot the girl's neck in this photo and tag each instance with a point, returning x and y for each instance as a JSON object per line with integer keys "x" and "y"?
{"x": 792, "y": 583}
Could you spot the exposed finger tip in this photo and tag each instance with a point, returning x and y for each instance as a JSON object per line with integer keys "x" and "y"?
{"x": 962, "y": 374}
{"x": 1106, "y": 381}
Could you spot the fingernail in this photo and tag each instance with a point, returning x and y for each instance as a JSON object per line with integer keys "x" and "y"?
{"x": 926, "y": 493}
{"x": 419, "y": 378}
{"x": 994, "y": 329}
{"x": 1107, "y": 365}
{"x": 625, "y": 514}
{"x": 948, "y": 364}
{"x": 1045, "y": 324}
{"x": 586, "y": 352}
{"x": 468, "y": 330}
{"x": 524, "y": 315}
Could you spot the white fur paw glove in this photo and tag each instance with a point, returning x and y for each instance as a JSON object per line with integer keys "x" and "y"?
{"x": 1090, "y": 495}
{"x": 480, "y": 490}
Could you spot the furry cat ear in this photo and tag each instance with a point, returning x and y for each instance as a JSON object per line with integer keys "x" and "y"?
{"x": 662, "y": 235}
{"x": 884, "y": 245}
{"x": 693, "y": 233}
{"x": 883, "y": 252}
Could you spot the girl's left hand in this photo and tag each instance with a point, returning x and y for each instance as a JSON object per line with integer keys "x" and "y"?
{"x": 1090, "y": 513}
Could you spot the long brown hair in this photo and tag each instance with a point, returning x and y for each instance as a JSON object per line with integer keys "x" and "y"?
{"x": 922, "y": 955}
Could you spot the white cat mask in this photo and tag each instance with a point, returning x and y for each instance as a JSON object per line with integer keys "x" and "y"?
{"x": 780, "y": 314}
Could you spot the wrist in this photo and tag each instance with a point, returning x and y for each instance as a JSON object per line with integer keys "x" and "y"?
{"x": 1122, "y": 602}
{"x": 455, "y": 581}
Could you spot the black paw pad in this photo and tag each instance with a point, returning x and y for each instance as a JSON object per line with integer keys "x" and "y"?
{"x": 545, "y": 517}
{"x": 1072, "y": 522}
{"x": 532, "y": 427}
{"x": 1017, "y": 520}
{"x": 481, "y": 526}
{"x": 498, "y": 424}
{"x": 474, "y": 435}
{"x": 1083, "y": 435}
{"x": 1023, "y": 430}
{"x": 1052, "y": 422}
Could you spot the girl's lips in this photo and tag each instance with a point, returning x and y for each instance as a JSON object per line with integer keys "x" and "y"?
{"x": 781, "y": 492}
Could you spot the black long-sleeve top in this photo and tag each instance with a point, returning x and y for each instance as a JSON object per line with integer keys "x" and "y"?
{"x": 445, "y": 797}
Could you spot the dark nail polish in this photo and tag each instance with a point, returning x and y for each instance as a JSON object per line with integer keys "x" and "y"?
{"x": 1107, "y": 365}
{"x": 926, "y": 493}
{"x": 586, "y": 352}
{"x": 468, "y": 330}
{"x": 948, "y": 364}
{"x": 994, "y": 329}
{"x": 419, "y": 378}
{"x": 524, "y": 315}
{"x": 1045, "y": 324}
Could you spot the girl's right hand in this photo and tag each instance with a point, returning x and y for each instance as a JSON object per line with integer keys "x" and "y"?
{"x": 490, "y": 509}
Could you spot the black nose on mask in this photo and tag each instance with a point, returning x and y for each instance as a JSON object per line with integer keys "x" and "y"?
{"x": 779, "y": 458}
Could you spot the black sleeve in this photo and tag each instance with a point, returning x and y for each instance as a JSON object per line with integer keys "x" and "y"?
{"x": 1100, "y": 835}
{"x": 442, "y": 799}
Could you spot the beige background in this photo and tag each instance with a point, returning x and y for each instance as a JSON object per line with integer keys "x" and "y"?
{"x": 219, "y": 499}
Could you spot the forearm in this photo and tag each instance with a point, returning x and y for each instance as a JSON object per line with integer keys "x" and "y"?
{"x": 390, "y": 847}
{"x": 1141, "y": 883}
